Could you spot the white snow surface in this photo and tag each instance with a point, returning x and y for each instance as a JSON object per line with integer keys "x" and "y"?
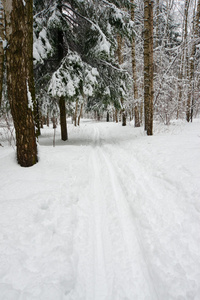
{"x": 111, "y": 214}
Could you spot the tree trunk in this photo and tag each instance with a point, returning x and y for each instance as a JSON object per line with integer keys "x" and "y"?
{"x": 18, "y": 78}
{"x": 186, "y": 56}
{"x": 137, "y": 116}
{"x": 196, "y": 23}
{"x": 148, "y": 66}
{"x": 60, "y": 49}
{"x": 120, "y": 60}
{"x": 116, "y": 115}
{"x": 107, "y": 117}
{"x": 123, "y": 118}
{"x": 2, "y": 37}
{"x": 47, "y": 119}
{"x": 135, "y": 87}
{"x": 157, "y": 21}
{"x": 150, "y": 126}
{"x": 63, "y": 122}
{"x": 79, "y": 117}
{"x": 31, "y": 83}
{"x": 75, "y": 113}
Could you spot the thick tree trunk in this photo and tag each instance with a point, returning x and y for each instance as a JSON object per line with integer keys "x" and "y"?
{"x": 18, "y": 78}
{"x": 63, "y": 122}
{"x": 2, "y": 37}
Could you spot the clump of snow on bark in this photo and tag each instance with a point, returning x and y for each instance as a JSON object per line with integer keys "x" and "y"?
{"x": 30, "y": 102}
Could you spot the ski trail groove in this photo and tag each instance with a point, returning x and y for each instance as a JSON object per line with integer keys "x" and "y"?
{"x": 125, "y": 221}
{"x": 111, "y": 264}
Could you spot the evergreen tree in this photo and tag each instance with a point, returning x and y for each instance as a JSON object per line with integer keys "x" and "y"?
{"x": 89, "y": 32}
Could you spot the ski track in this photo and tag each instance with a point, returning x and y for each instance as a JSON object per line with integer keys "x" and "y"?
{"x": 169, "y": 195}
{"x": 114, "y": 258}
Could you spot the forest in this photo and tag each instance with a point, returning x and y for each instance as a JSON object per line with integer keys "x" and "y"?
{"x": 99, "y": 149}
{"x": 123, "y": 60}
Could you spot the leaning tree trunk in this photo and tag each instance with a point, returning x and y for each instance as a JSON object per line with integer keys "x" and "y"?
{"x": 148, "y": 66}
{"x": 2, "y": 37}
{"x": 18, "y": 78}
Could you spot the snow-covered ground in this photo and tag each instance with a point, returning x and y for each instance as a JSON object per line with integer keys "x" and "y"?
{"x": 110, "y": 214}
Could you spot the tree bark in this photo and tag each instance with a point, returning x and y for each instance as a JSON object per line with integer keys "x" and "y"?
{"x": 18, "y": 78}
{"x": 116, "y": 115}
{"x": 107, "y": 117}
{"x": 79, "y": 117}
{"x": 135, "y": 87}
{"x": 75, "y": 113}
{"x": 63, "y": 122}
{"x": 196, "y": 24}
{"x": 120, "y": 60}
{"x": 157, "y": 21}
{"x": 148, "y": 66}
{"x": 60, "y": 49}
{"x": 2, "y": 37}
{"x": 31, "y": 82}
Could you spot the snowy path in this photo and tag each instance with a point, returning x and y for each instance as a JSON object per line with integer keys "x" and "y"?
{"x": 118, "y": 262}
{"x": 109, "y": 215}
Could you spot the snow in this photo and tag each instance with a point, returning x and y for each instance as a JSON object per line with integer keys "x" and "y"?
{"x": 41, "y": 47}
{"x": 30, "y": 101}
{"x": 110, "y": 214}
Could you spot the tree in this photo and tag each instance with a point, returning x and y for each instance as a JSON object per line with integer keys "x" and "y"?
{"x": 2, "y": 38}
{"x": 148, "y": 66}
{"x": 18, "y": 19}
{"x": 135, "y": 85}
{"x": 89, "y": 32}
{"x": 196, "y": 31}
